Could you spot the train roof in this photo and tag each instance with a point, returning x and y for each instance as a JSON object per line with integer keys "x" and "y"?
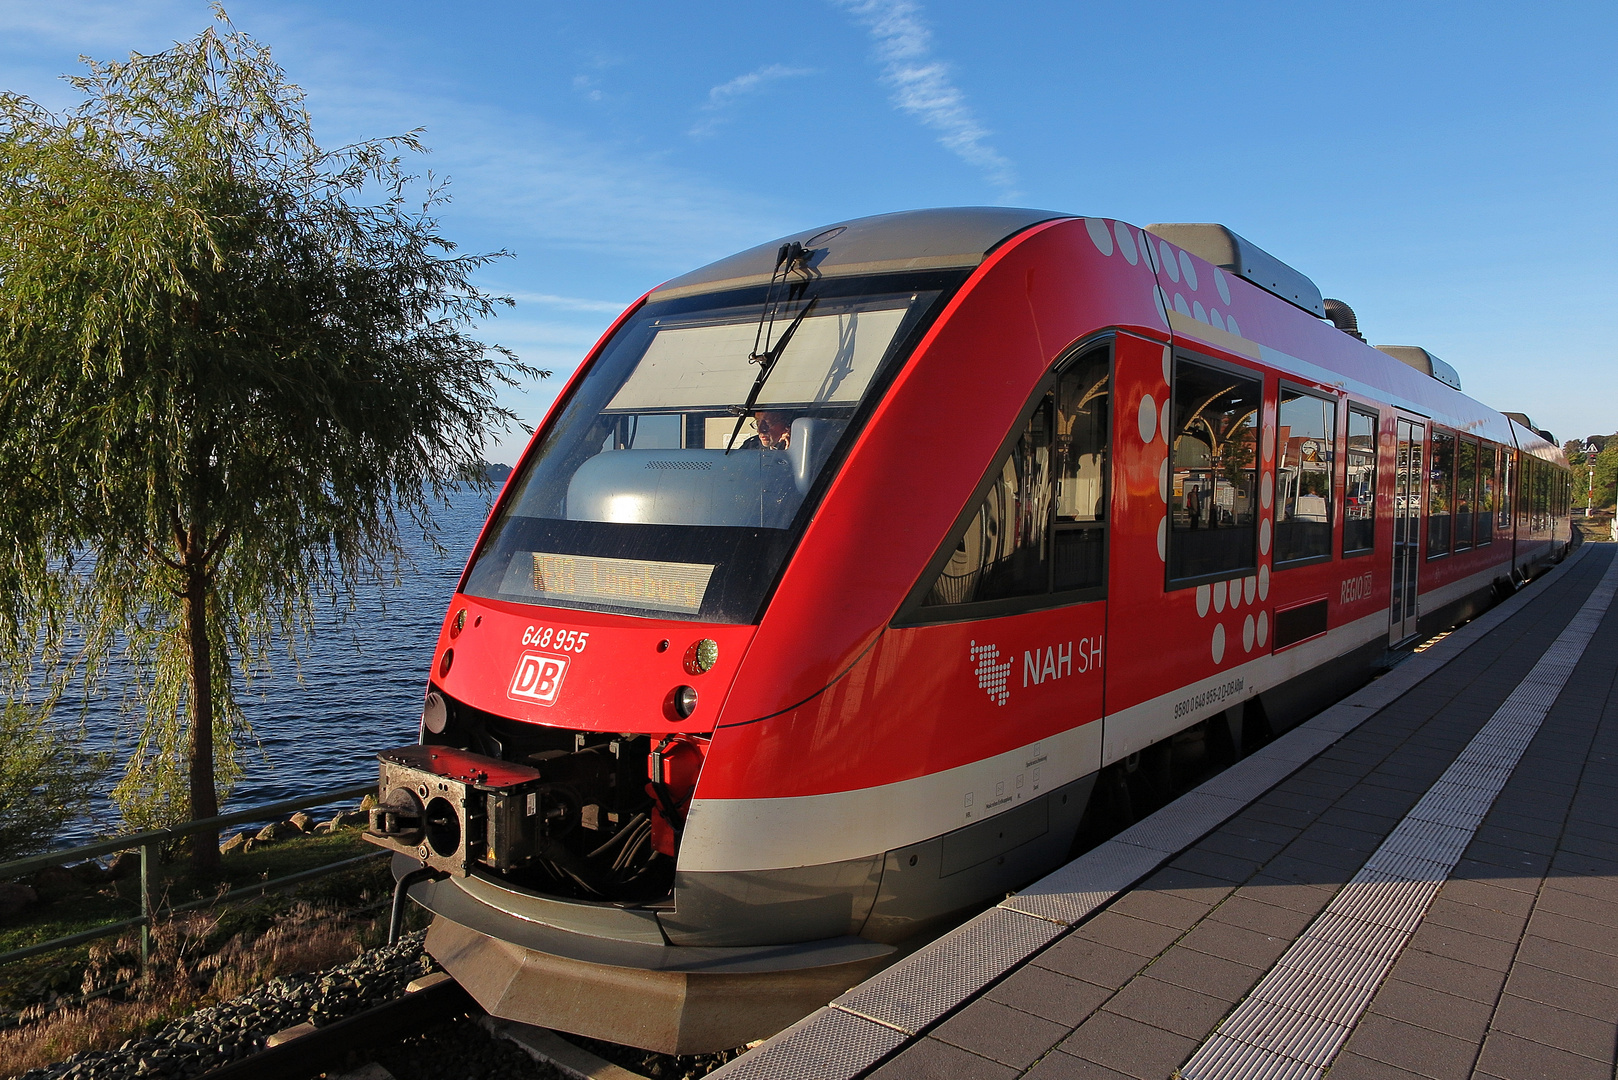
{"x": 961, "y": 237}
{"x": 933, "y": 239}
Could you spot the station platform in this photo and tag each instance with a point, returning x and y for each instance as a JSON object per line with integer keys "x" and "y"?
{"x": 1421, "y": 881}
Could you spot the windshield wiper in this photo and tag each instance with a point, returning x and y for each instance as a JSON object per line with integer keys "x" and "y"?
{"x": 766, "y": 362}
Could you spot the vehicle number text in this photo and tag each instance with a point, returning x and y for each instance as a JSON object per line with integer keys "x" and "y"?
{"x": 552, "y": 637}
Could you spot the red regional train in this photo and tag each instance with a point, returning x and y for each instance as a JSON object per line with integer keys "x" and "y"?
{"x": 851, "y": 572}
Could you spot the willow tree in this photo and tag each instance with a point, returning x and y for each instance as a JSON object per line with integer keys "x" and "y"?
{"x": 232, "y": 365}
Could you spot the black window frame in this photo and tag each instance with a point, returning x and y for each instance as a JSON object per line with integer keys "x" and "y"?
{"x": 1174, "y": 584}
{"x": 1457, "y": 543}
{"x": 915, "y": 611}
{"x": 1278, "y": 564}
{"x": 1487, "y": 452}
{"x": 1434, "y": 434}
{"x": 1374, "y": 415}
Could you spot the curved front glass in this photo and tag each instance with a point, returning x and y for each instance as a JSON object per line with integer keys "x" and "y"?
{"x": 677, "y": 477}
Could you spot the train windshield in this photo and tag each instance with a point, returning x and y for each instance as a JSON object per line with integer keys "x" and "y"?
{"x": 675, "y": 480}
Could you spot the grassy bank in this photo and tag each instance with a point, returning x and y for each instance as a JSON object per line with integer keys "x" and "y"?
{"x": 199, "y": 958}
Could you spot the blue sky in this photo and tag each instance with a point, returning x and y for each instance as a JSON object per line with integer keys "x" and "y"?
{"x": 1447, "y": 169}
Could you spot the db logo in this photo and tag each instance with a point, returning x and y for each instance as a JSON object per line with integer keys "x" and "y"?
{"x": 538, "y": 678}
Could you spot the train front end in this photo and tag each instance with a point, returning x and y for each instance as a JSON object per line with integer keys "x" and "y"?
{"x": 580, "y": 682}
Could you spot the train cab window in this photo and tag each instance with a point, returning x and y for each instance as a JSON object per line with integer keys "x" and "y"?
{"x": 1041, "y": 526}
{"x": 680, "y": 472}
{"x": 1213, "y": 458}
{"x": 1466, "y": 475}
{"x": 1359, "y": 495}
{"x": 1304, "y": 467}
{"x": 1483, "y": 519}
{"x": 1440, "y": 494}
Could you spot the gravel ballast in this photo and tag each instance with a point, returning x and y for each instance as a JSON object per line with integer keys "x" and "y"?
{"x": 208, "y": 1038}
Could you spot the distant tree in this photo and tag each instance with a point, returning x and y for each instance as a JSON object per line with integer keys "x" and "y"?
{"x": 230, "y": 363}
{"x": 1606, "y": 466}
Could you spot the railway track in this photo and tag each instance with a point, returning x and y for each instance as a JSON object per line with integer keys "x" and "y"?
{"x": 301, "y": 1053}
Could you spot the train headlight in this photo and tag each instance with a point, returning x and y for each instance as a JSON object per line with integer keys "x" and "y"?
{"x": 701, "y": 656}
{"x": 685, "y": 701}
{"x": 435, "y": 713}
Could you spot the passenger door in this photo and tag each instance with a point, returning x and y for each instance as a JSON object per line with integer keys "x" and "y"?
{"x": 1407, "y": 506}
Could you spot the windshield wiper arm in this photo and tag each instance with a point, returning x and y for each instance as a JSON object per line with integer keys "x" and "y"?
{"x": 766, "y": 362}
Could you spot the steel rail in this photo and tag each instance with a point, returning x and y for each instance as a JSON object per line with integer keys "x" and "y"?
{"x": 328, "y": 1045}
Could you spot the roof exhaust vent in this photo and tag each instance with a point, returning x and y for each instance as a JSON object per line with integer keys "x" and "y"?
{"x": 1342, "y": 317}
{"x": 1425, "y": 362}
{"x": 1245, "y": 259}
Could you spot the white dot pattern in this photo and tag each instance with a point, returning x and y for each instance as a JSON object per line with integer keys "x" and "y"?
{"x": 1100, "y": 235}
{"x": 1189, "y": 271}
{"x": 1219, "y": 643}
{"x": 1263, "y": 627}
{"x": 1170, "y": 264}
{"x": 1247, "y": 634}
{"x": 1222, "y": 285}
{"x": 1126, "y": 242}
{"x": 1147, "y": 419}
{"x": 1219, "y": 592}
{"x": 993, "y": 679}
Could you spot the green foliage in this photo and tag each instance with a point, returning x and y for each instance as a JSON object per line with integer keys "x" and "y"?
{"x": 1606, "y": 472}
{"x": 231, "y": 363}
{"x": 45, "y": 778}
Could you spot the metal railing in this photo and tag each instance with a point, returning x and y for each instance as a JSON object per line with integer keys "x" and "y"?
{"x": 149, "y": 844}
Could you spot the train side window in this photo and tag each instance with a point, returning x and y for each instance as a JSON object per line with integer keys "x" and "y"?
{"x": 1081, "y": 469}
{"x": 1508, "y": 488}
{"x": 1303, "y": 476}
{"x": 1213, "y": 459}
{"x": 1005, "y": 549}
{"x": 1484, "y": 518}
{"x": 1466, "y": 477}
{"x": 1359, "y": 496}
{"x": 1041, "y": 527}
{"x": 1440, "y": 493}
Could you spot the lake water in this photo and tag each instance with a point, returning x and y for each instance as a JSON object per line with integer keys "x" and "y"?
{"x": 360, "y": 691}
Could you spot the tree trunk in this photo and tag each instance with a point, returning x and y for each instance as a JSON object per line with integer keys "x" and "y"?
{"x": 204, "y": 801}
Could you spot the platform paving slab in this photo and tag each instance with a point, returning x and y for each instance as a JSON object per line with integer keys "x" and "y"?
{"x": 1527, "y": 919}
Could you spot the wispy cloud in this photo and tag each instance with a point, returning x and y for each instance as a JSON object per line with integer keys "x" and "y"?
{"x": 720, "y": 97}
{"x": 563, "y": 303}
{"x": 922, "y": 85}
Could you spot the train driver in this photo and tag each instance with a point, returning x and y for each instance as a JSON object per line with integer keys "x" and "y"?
{"x": 774, "y": 431}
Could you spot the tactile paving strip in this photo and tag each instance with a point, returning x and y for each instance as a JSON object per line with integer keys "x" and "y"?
{"x": 1303, "y": 1010}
